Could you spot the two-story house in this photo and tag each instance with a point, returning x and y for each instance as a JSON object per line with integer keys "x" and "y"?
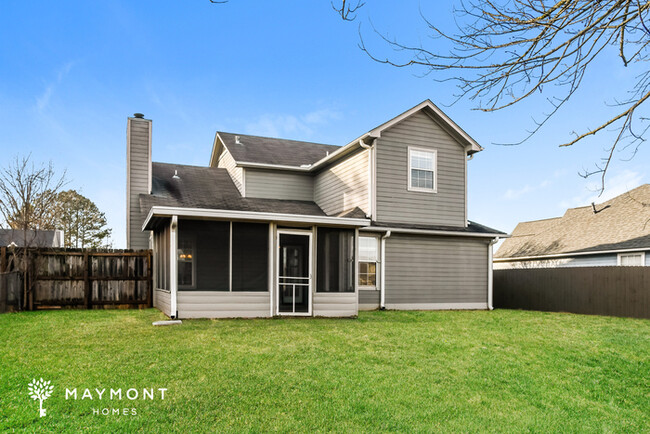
{"x": 280, "y": 227}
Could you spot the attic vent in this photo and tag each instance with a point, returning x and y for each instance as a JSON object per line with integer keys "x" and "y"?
{"x": 176, "y": 175}
{"x": 327, "y": 153}
{"x": 237, "y": 140}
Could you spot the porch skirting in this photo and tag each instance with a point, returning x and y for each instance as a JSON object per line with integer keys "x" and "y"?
{"x": 223, "y": 304}
{"x": 436, "y": 306}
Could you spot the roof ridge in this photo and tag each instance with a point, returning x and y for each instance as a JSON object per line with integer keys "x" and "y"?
{"x": 276, "y": 138}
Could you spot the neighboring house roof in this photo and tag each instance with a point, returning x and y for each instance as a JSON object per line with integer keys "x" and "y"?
{"x": 37, "y": 238}
{"x": 622, "y": 223}
{"x": 254, "y": 149}
{"x": 307, "y": 156}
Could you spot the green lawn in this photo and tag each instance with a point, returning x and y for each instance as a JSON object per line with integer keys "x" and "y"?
{"x": 385, "y": 371}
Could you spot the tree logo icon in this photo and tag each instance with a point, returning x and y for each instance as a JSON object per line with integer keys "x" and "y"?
{"x": 40, "y": 390}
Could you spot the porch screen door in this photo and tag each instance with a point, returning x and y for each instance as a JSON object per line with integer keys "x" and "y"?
{"x": 294, "y": 273}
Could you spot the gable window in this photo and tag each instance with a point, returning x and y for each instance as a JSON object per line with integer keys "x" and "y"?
{"x": 422, "y": 170}
{"x": 368, "y": 258}
{"x": 631, "y": 259}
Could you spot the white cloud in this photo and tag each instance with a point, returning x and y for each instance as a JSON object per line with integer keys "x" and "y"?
{"x": 44, "y": 100}
{"x": 282, "y": 125}
{"x": 615, "y": 186}
{"x": 516, "y": 193}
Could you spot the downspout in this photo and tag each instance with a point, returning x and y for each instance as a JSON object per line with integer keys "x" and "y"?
{"x": 382, "y": 288}
{"x": 370, "y": 165}
{"x": 492, "y": 243}
{"x": 173, "y": 267}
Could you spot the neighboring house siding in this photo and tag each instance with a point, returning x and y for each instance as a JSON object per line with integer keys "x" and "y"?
{"x": 335, "y": 304}
{"x": 368, "y": 299}
{"x": 236, "y": 173}
{"x": 138, "y": 177}
{"x": 202, "y": 304}
{"x": 344, "y": 185}
{"x": 279, "y": 185}
{"x": 428, "y": 272}
{"x": 395, "y": 203}
{"x": 162, "y": 301}
{"x": 604, "y": 260}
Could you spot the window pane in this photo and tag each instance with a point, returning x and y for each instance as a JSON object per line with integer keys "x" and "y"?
{"x": 185, "y": 262}
{"x": 367, "y": 273}
{"x": 421, "y": 179}
{"x": 335, "y": 259}
{"x": 211, "y": 253}
{"x": 422, "y": 160}
{"x": 631, "y": 260}
{"x": 250, "y": 257}
{"x": 367, "y": 248}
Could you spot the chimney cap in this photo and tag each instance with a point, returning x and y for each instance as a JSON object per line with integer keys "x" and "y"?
{"x": 138, "y": 115}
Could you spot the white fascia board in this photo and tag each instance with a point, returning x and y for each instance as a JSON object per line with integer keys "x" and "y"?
{"x": 433, "y": 232}
{"x": 168, "y": 211}
{"x": 474, "y": 146}
{"x": 570, "y": 255}
{"x": 271, "y": 166}
{"x": 213, "y": 156}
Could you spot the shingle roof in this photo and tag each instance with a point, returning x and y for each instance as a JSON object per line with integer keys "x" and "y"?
{"x": 34, "y": 238}
{"x": 267, "y": 150}
{"x": 211, "y": 188}
{"x": 620, "y": 223}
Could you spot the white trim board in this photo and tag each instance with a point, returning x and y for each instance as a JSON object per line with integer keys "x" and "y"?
{"x": 168, "y": 211}
{"x": 431, "y": 232}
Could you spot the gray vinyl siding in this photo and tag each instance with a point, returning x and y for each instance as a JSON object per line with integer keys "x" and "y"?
{"x": 162, "y": 301}
{"x": 138, "y": 177}
{"x": 236, "y": 173}
{"x": 340, "y": 304}
{"x": 430, "y": 270}
{"x": 278, "y": 185}
{"x": 368, "y": 299}
{"x": 395, "y": 203}
{"x": 202, "y": 304}
{"x": 344, "y": 185}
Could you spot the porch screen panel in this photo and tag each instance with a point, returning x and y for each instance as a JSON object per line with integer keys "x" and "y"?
{"x": 210, "y": 242}
{"x": 335, "y": 259}
{"x": 250, "y": 257}
{"x": 161, "y": 243}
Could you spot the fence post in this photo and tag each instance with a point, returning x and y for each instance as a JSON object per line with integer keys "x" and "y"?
{"x": 88, "y": 295}
{"x": 3, "y": 259}
{"x": 150, "y": 279}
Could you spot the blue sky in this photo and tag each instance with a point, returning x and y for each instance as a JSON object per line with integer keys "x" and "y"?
{"x": 72, "y": 72}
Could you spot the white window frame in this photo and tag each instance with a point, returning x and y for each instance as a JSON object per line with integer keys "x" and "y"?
{"x": 620, "y": 256}
{"x": 377, "y": 265}
{"x": 435, "y": 170}
{"x": 192, "y": 241}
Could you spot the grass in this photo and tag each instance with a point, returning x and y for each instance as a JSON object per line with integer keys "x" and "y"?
{"x": 385, "y": 371}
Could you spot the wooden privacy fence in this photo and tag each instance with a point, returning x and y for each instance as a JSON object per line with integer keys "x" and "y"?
{"x": 11, "y": 289}
{"x": 616, "y": 291}
{"x": 86, "y": 278}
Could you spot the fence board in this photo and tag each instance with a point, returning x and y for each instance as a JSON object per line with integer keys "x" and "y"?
{"x": 88, "y": 278}
{"x": 615, "y": 291}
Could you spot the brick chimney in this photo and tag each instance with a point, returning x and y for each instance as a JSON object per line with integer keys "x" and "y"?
{"x": 138, "y": 178}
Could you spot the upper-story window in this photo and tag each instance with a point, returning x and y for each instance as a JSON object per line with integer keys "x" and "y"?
{"x": 422, "y": 170}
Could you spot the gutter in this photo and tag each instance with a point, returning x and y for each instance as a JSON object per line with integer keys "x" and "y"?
{"x": 490, "y": 273}
{"x": 370, "y": 170}
{"x": 434, "y": 232}
{"x": 382, "y": 288}
{"x": 169, "y": 211}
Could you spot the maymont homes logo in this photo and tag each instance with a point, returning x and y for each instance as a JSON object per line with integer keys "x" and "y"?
{"x": 41, "y": 390}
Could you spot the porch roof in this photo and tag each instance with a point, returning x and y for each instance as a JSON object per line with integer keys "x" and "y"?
{"x": 209, "y": 192}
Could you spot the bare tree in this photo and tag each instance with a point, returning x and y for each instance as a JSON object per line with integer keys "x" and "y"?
{"x": 347, "y": 10}
{"x": 505, "y": 52}
{"x": 27, "y": 198}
